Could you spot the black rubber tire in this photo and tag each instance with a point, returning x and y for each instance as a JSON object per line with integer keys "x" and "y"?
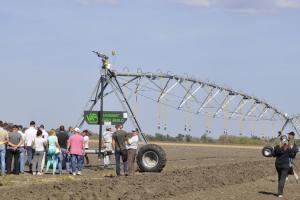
{"x": 151, "y": 158}
{"x": 267, "y": 151}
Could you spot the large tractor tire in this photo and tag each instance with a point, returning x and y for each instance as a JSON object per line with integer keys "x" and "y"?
{"x": 267, "y": 151}
{"x": 151, "y": 158}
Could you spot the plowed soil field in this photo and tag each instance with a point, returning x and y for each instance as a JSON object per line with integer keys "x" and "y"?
{"x": 192, "y": 172}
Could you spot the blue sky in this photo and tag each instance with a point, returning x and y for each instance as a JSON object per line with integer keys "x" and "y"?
{"x": 48, "y": 70}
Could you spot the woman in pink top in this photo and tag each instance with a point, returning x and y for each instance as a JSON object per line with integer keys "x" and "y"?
{"x": 76, "y": 148}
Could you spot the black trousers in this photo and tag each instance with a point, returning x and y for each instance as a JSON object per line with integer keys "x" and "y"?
{"x": 87, "y": 158}
{"x": 10, "y": 155}
{"x": 282, "y": 174}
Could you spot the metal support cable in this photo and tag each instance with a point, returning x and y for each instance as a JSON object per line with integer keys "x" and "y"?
{"x": 241, "y": 121}
{"x": 120, "y": 94}
{"x": 226, "y": 118}
{"x": 253, "y": 121}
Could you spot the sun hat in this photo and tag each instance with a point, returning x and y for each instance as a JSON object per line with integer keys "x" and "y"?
{"x": 77, "y": 130}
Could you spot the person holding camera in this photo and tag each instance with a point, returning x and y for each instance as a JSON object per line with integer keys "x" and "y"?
{"x": 283, "y": 154}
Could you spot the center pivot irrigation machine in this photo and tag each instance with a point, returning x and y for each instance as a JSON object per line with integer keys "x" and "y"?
{"x": 151, "y": 157}
{"x": 183, "y": 93}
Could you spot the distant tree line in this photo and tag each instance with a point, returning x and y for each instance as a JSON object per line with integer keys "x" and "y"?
{"x": 169, "y": 138}
{"x": 206, "y": 139}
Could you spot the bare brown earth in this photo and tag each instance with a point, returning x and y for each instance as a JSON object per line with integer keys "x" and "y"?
{"x": 192, "y": 172}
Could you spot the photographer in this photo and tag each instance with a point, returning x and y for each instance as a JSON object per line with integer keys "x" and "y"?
{"x": 283, "y": 154}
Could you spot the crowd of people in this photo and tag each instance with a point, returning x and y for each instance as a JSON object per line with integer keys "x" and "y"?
{"x": 55, "y": 148}
{"x": 58, "y": 149}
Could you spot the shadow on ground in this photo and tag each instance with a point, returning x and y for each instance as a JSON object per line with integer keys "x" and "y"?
{"x": 267, "y": 193}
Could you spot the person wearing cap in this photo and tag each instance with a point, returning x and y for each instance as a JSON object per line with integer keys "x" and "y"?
{"x": 283, "y": 154}
{"x": 107, "y": 144}
{"x": 132, "y": 146}
{"x": 3, "y": 142}
{"x": 76, "y": 149}
{"x": 295, "y": 150}
{"x": 30, "y": 134}
{"x": 13, "y": 150}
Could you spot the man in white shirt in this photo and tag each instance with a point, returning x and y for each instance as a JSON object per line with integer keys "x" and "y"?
{"x": 45, "y": 133}
{"x": 30, "y": 134}
{"x": 132, "y": 145}
{"x": 107, "y": 143}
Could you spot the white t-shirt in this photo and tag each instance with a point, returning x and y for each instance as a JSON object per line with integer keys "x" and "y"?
{"x": 86, "y": 140}
{"x": 39, "y": 144}
{"x": 23, "y": 137}
{"x": 45, "y": 134}
{"x": 133, "y": 142}
{"x": 30, "y": 134}
{"x": 107, "y": 137}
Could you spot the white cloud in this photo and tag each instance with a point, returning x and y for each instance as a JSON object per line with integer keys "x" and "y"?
{"x": 202, "y": 3}
{"x": 288, "y": 3}
{"x": 98, "y": 1}
{"x": 244, "y": 5}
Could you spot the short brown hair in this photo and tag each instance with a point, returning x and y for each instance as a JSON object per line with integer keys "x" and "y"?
{"x": 15, "y": 127}
{"x": 292, "y": 133}
{"x": 39, "y": 132}
{"x": 119, "y": 126}
{"x": 62, "y": 128}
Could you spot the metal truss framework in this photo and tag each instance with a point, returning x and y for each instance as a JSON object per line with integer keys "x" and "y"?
{"x": 191, "y": 95}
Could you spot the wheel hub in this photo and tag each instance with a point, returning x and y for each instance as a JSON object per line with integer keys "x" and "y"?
{"x": 150, "y": 159}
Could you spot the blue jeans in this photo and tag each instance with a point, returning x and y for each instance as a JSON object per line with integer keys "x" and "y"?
{"x": 2, "y": 158}
{"x": 79, "y": 159}
{"x": 63, "y": 156}
{"x": 118, "y": 155}
{"x": 22, "y": 159}
{"x": 29, "y": 157}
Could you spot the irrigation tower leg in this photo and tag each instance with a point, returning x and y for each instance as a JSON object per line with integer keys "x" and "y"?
{"x": 101, "y": 114}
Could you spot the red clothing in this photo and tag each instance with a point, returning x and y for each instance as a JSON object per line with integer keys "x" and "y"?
{"x": 76, "y": 144}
